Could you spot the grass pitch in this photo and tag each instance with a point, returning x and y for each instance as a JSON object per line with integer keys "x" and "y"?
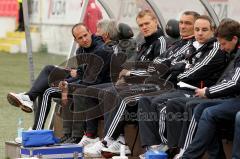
{"x": 14, "y": 76}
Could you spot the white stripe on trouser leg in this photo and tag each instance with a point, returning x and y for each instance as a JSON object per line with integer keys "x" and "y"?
{"x": 44, "y": 106}
{"x": 162, "y": 116}
{"x": 119, "y": 113}
{"x": 191, "y": 130}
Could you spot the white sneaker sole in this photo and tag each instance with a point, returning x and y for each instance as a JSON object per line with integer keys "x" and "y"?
{"x": 108, "y": 154}
{"x": 17, "y": 103}
{"x": 13, "y": 100}
{"x": 92, "y": 155}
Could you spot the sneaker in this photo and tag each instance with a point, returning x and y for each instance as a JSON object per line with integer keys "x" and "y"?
{"x": 161, "y": 147}
{"x": 87, "y": 141}
{"x": 65, "y": 138}
{"x": 20, "y": 100}
{"x": 114, "y": 149}
{"x": 94, "y": 150}
{"x": 73, "y": 140}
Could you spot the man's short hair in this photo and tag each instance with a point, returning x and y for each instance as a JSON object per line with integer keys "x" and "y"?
{"x": 192, "y": 13}
{"x": 228, "y": 29}
{"x": 146, "y": 12}
{"x": 77, "y": 25}
{"x": 207, "y": 18}
{"x": 109, "y": 27}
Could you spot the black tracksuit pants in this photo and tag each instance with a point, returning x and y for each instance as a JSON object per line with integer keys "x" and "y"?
{"x": 152, "y": 116}
{"x": 213, "y": 114}
{"x": 41, "y": 84}
{"x": 183, "y": 108}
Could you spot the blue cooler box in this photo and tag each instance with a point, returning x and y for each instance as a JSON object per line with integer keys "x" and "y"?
{"x": 66, "y": 151}
{"x": 155, "y": 155}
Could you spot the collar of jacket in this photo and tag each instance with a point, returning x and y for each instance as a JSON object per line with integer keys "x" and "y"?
{"x": 150, "y": 39}
{"x": 210, "y": 41}
{"x": 190, "y": 38}
{"x": 96, "y": 42}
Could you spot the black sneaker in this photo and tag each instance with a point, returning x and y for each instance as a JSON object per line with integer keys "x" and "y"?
{"x": 65, "y": 138}
{"x": 73, "y": 140}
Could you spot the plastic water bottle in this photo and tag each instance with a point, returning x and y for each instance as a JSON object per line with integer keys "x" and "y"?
{"x": 122, "y": 153}
{"x": 20, "y": 128}
{"x": 122, "y": 150}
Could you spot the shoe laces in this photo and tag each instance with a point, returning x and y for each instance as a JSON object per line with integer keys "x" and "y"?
{"x": 24, "y": 97}
{"x": 85, "y": 140}
{"x": 98, "y": 146}
{"x": 115, "y": 145}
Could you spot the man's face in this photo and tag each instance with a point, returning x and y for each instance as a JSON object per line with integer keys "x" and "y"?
{"x": 82, "y": 36}
{"x": 202, "y": 31}
{"x": 147, "y": 25}
{"x": 227, "y": 45}
{"x": 186, "y": 25}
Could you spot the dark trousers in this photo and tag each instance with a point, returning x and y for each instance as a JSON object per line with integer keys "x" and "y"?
{"x": 189, "y": 129}
{"x": 123, "y": 106}
{"x": 73, "y": 123}
{"x": 152, "y": 131}
{"x": 117, "y": 111}
{"x": 82, "y": 117}
{"x": 20, "y": 18}
{"x": 236, "y": 140}
{"x": 212, "y": 115}
{"x": 41, "y": 83}
{"x": 183, "y": 119}
{"x": 191, "y": 124}
{"x": 180, "y": 112}
{"x": 176, "y": 108}
{"x": 44, "y": 106}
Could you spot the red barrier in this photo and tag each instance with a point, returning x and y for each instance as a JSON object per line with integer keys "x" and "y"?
{"x": 9, "y": 8}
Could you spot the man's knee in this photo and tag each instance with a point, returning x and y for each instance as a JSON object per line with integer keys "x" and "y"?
{"x": 49, "y": 68}
{"x": 175, "y": 105}
{"x": 198, "y": 110}
{"x": 172, "y": 105}
{"x": 191, "y": 105}
{"x": 144, "y": 103}
{"x": 208, "y": 114}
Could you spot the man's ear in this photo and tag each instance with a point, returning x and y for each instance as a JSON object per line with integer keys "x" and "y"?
{"x": 235, "y": 39}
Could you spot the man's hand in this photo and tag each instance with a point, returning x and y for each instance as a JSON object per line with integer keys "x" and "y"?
{"x": 64, "y": 99}
{"x": 63, "y": 85}
{"x": 124, "y": 73}
{"x": 120, "y": 81}
{"x": 73, "y": 73}
{"x": 200, "y": 92}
